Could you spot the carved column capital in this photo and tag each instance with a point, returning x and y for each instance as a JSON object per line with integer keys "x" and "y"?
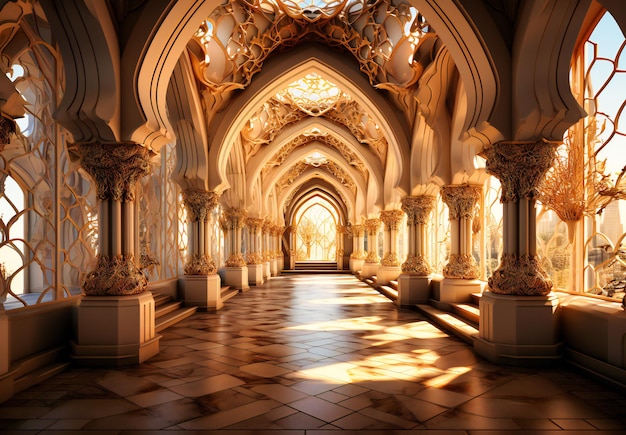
{"x": 417, "y": 208}
{"x": 233, "y": 218}
{"x": 267, "y": 226}
{"x": 520, "y": 167}
{"x": 7, "y": 128}
{"x": 254, "y": 224}
{"x": 391, "y": 218}
{"x": 341, "y": 229}
{"x": 461, "y": 200}
{"x": 358, "y": 230}
{"x": 199, "y": 204}
{"x": 372, "y": 226}
{"x": 115, "y": 167}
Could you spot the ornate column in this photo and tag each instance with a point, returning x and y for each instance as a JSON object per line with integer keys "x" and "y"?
{"x": 275, "y": 232}
{"x": 280, "y": 230}
{"x": 267, "y": 255}
{"x": 341, "y": 232}
{"x": 370, "y": 266}
{"x": 201, "y": 286}
{"x": 461, "y": 202}
{"x": 116, "y": 317}
{"x": 414, "y": 282}
{"x": 461, "y": 273}
{"x": 235, "y": 273}
{"x": 389, "y": 269}
{"x": 293, "y": 248}
{"x": 253, "y": 257}
{"x": 357, "y": 258}
{"x": 518, "y": 315}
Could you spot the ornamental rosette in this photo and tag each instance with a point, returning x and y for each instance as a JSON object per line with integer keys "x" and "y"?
{"x": 200, "y": 264}
{"x": 416, "y": 264}
{"x": 115, "y": 276}
{"x": 522, "y": 276}
{"x": 390, "y": 260}
{"x": 236, "y": 260}
{"x": 461, "y": 266}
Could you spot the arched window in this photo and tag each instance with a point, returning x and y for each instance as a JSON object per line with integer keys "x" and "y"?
{"x": 317, "y": 230}
{"x": 582, "y": 221}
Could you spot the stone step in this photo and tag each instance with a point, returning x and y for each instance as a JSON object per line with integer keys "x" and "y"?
{"x": 160, "y": 299}
{"x": 171, "y": 318}
{"x": 167, "y": 308}
{"x": 469, "y": 312}
{"x": 450, "y": 322}
{"x": 389, "y": 291}
{"x": 227, "y": 292}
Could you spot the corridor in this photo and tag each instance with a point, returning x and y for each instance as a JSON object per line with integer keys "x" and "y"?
{"x": 313, "y": 354}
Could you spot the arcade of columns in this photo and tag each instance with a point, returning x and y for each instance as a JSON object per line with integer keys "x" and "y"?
{"x": 518, "y": 291}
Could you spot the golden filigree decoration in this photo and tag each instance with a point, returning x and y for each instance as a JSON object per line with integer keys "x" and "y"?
{"x": 461, "y": 266}
{"x": 358, "y": 230}
{"x": 359, "y": 254}
{"x": 233, "y": 218}
{"x": 236, "y": 260}
{"x": 416, "y": 264}
{"x": 200, "y": 264}
{"x": 288, "y": 178}
{"x": 522, "y": 276}
{"x": 115, "y": 276}
{"x": 390, "y": 259}
{"x": 372, "y": 226}
{"x": 253, "y": 258}
{"x": 115, "y": 167}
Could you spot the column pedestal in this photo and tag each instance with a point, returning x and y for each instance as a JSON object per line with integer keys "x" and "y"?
{"x": 255, "y": 274}
{"x": 274, "y": 267}
{"x": 356, "y": 264}
{"x": 267, "y": 272}
{"x": 369, "y": 269}
{"x": 203, "y": 291}
{"x": 413, "y": 289}
{"x": 236, "y": 277}
{"x": 518, "y": 329}
{"x": 387, "y": 273}
{"x": 458, "y": 290}
{"x": 115, "y": 331}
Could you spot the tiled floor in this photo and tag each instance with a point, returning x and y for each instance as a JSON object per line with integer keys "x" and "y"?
{"x": 313, "y": 355}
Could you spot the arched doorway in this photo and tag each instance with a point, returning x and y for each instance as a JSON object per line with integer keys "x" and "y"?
{"x": 317, "y": 231}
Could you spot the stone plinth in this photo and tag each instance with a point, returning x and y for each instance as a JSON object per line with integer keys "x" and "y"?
{"x": 518, "y": 329}
{"x": 369, "y": 269}
{"x": 114, "y": 331}
{"x": 387, "y": 273}
{"x": 413, "y": 289}
{"x": 274, "y": 267}
{"x": 203, "y": 291}
{"x": 255, "y": 274}
{"x": 356, "y": 264}
{"x": 455, "y": 290}
{"x": 267, "y": 270}
{"x": 236, "y": 277}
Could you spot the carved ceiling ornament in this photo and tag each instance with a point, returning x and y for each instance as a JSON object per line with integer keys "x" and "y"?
{"x": 520, "y": 167}
{"x": 306, "y": 138}
{"x": 115, "y": 167}
{"x": 235, "y": 40}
